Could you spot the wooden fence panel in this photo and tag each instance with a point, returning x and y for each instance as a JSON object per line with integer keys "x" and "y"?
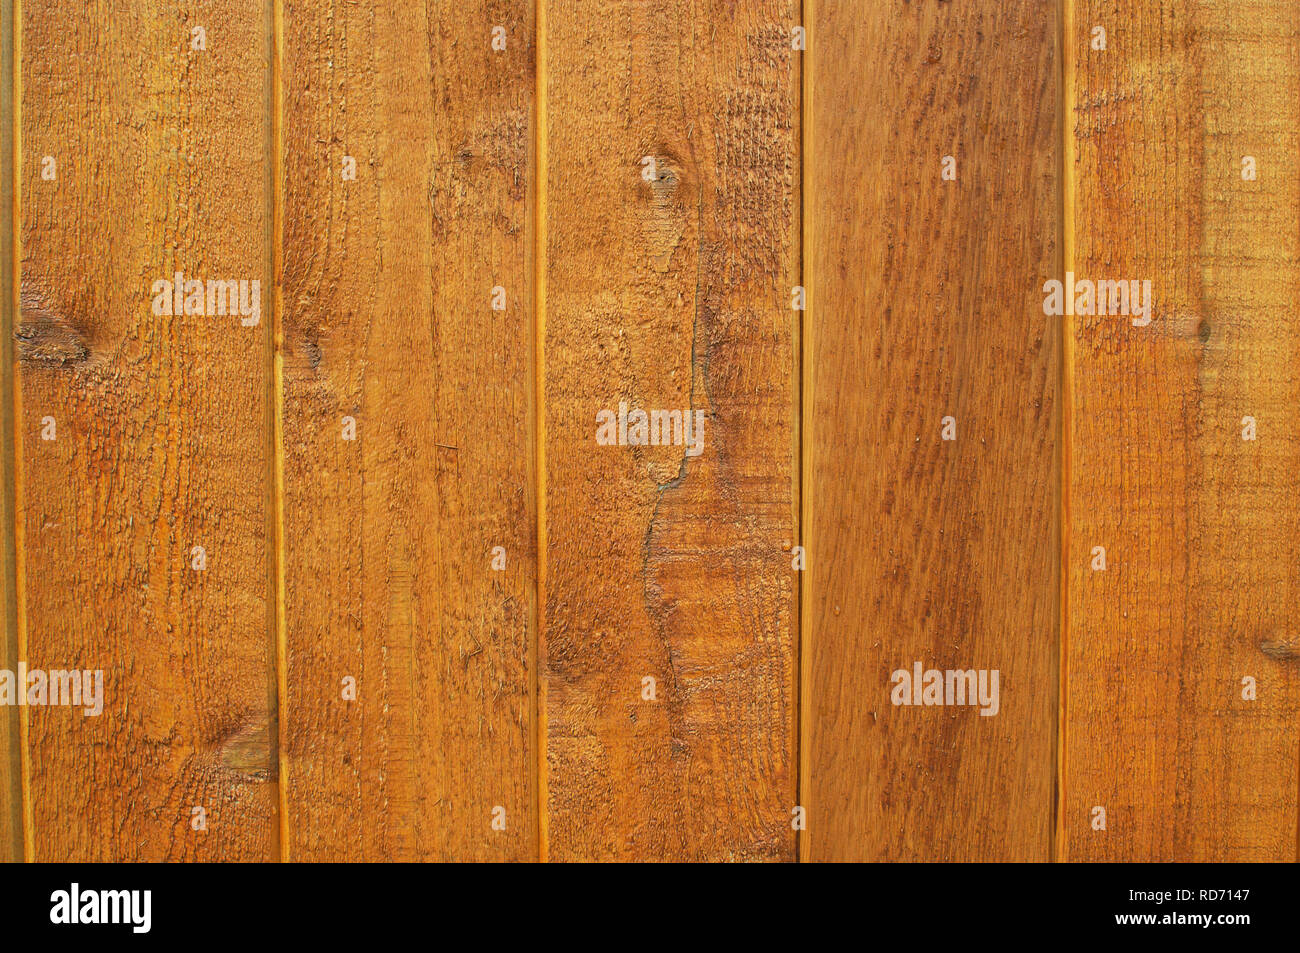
{"x": 934, "y": 542}
{"x": 408, "y": 431}
{"x": 412, "y": 411}
{"x": 1192, "y": 503}
{"x": 671, "y": 245}
{"x": 144, "y": 540}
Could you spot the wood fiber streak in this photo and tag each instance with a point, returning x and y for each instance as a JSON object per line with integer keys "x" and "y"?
{"x": 926, "y": 305}
{"x": 671, "y": 294}
{"x": 11, "y": 797}
{"x": 161, "y": 443}
{"x": 388, "y": 320}
{"x": 1200, "y": 526}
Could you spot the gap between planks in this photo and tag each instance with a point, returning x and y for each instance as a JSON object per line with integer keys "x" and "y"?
{"x": 803, "y": 419}
{"x": 1065, "y": 113}
{"x": 539, "y": 179}
{"x": 278, "y": 688}
{"x": 15, "y": 622}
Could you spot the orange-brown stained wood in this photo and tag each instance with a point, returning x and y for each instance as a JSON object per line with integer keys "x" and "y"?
{"x": 671, "y": 291}
{"x": 1198, "y": 524}
{"x": 158, "y": 441}
{"x": 925, "y": 305}
{"x": 389, "y": 328}
{"x": 11, "y": 819}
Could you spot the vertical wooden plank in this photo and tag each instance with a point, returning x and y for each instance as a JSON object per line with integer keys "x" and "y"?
{"x": 670, "y": 289}
{"x": 11, "y": 819}
{"x": 926, "y": 306}
{"x": 389, "y": 324}
{"x": 158, "y": 425}
{"x": 1199, "y": 525}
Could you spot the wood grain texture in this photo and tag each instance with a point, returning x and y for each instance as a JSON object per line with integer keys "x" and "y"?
{"x": 519, "y": 694}
{"x": 161, "y": 442}
{"x": 388, "y": 320}
{"x": 926, "y": 305}
{"x": 11, "y": 796}
{"x": 1199, "y": 525}
{"x": 671, "y": 294}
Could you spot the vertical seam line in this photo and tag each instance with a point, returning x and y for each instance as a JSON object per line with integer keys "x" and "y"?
{"x": 19, "y": 532}
{"x": 803, "y": 657}
{"x": 275, "y": 410}
{"x": 540, "y": 163}
{"x": 15, "y": 753}
{"x": 1065, "y": 111}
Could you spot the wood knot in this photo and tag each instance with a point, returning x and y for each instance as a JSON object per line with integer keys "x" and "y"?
{"x": 662, "y": 173}
{"x": 247, "y": 751}
{"x": 1284, "y": 649}
{"x": 43, "y": 337}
